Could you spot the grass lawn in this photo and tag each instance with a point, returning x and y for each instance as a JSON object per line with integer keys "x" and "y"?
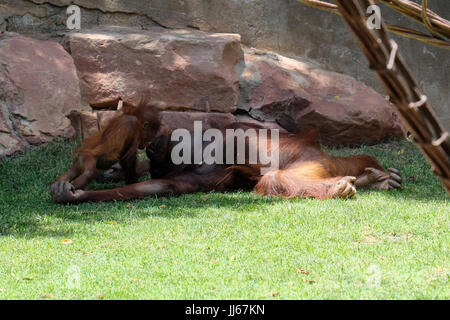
{"x": 379, "y": 245}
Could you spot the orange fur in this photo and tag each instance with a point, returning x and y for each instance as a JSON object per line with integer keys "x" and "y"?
{"x": 132, "y": 128}
{"x": 304, "y": 171}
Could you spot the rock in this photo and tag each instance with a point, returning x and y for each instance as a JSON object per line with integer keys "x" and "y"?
{"x": 300, "y": 96}
{"x": 9, "y": 94}
{"x": 270, "y": 125}
{"x": 185, "y": 120}
{"x": 9, "y": 142}
{"x": 39, "y": 86}
{"x": 178, "y": 69}
{"x": 86, "y": 123}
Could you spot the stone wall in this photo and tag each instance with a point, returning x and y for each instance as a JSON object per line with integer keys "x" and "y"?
{"x": 284, "y": 26}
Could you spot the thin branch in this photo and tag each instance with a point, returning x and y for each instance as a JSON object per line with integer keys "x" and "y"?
{"x": 438, "y": 27}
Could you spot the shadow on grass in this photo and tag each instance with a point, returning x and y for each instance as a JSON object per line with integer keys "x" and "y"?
{"x": 26, "y": 209}
{"x": 29, "y": 218}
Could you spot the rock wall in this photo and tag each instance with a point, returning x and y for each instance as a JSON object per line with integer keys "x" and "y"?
{"x": 49, "y": 75}
{"x": 285, "y": 26}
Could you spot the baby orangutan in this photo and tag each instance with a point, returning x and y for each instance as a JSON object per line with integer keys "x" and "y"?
{"x": 131, "y": 129}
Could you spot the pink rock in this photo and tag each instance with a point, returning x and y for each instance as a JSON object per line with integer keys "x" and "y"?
{"x": 175, "y": 120}
{"x": 300, "y": 96}
{"x": 9, "y": 141}
{"x": 87, "y": 123}
{"x": 40, "y": 86}
{"x": 269, "y": 125}
{"x": 177, "y": 69}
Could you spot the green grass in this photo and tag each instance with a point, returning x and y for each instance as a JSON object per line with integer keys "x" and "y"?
{"x": 379, "y": 245}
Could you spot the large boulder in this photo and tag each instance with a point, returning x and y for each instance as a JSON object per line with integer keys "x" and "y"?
{"x": 38, "y": 88}
{"x": 299, "y": 96}
{"x": 177, "y": 69}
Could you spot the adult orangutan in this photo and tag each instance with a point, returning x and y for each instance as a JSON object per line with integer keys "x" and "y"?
{"x": 304, "y": 171}
{"x": 133, "y": 127}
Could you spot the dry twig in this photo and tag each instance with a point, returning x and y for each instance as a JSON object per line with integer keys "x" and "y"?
{"x": 438, "y": 27}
